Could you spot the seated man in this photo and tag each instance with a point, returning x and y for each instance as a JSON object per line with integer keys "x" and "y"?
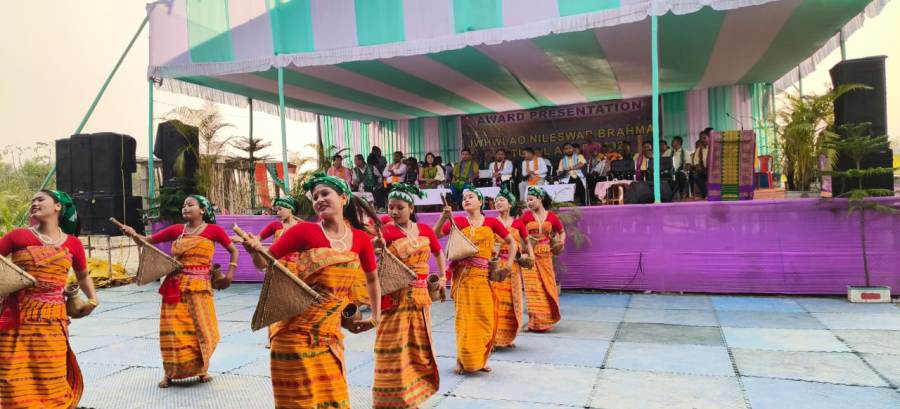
{"x": 570, "y": 170}
{"x": 681, "y": 161}
{"x": 534, "y": 171}
{"x": 642, "y": 162}
{"x": 464, "y": 173}
{"x": 501, "y": 169}
{"x": 699, "y": 163}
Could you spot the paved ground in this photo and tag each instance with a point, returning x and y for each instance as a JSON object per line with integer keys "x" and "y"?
{"x": 611, "y": 351}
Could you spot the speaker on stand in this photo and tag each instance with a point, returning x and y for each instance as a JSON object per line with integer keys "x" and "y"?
{"x": 862, "y": 106}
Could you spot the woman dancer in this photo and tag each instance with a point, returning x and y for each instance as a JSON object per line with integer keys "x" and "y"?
{"x": 475, "y": 303}
{"x": 37, "y": 366}
{"x": 307, "y": 350}
{"x": 406, "y": 372}
{"x": 188, "y": 329}
{"x": 509, "y": 291}
{"x": 540, "y": 282}
{"x": 285, "y": 208}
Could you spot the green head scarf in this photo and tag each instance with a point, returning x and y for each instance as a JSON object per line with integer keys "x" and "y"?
{"x": 287, "y": 202}
{"x": 209, "y": 215}
{"x": 509, "y": 196}
{"x": 405, "y": 192}
{"x": 469, "y": 188}
{"x": 537, "y": 192}
{"x": 336, "y": 183}
{"x": 68, "y": 217}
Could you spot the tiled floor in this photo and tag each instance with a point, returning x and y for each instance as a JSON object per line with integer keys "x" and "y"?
{"x": 611, "y": 351}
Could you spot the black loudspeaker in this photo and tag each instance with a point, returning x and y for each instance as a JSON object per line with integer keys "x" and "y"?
{"x": 63, "y": 165}
{"x": 642, "y": 192}
{"x": 172, "y": 137}
{"x": 81, "y": 165}
{"x": 863, "y": 106}
{"x": 94, "y": 212}
{"x": 639, "y": 193}
{"x": 113, "y": 157}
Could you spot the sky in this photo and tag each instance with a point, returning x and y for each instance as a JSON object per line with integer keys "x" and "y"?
{"x": 58, "y": 53}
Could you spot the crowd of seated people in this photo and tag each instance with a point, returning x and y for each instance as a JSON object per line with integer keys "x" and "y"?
{"x": 581, "y": 165}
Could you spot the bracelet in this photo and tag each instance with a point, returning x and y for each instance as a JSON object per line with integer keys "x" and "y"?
{"x": 233, "y": 264}
{"x": 93, "y": 302}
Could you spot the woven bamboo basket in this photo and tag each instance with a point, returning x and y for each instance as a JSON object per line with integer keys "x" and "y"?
{"x": 13, "y": 278}
{"x": 283, "y": 294}
{"x": 154, "y": 264}
{"x": 393, "y": 274}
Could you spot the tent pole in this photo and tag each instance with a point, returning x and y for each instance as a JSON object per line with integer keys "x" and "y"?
{"x": 151, "y": 170}
{"x": 94, "y": 103}
{"x": 252, "y": 163}
{"x": 284, "y": 159}
{"x": 654, "y": 52}
{"x": 843, "y": 45}
{"x": 800, "y": 80}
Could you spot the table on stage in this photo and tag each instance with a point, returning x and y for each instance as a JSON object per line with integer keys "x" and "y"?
{"x": 559, "y": 193}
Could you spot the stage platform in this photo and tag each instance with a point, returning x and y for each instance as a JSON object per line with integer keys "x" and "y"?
{"x": 804, "y": 246}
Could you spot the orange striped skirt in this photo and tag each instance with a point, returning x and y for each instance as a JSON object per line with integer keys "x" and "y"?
{"x": 188, "y": 335}
{"x": 359, "y": 293}
{"x": 406, "y": 372}
{"x": 541, "y": 294}
{"x": 509, "y": 307}
{"x": 476, "y": 317}
{"x": 38, "y": 369}
{"x": 307, "y": 374}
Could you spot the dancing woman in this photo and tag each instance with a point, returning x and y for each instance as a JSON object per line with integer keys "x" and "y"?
{"x": 406, "y": 372}
{"x": 475, "y": 303}
{"x": 307, "y": 357}
{"x": 509, "y": 291}
{"x": 541, "y": 294}
{"x": 285, "y": 208}
{"x": 188, "y": 329}
{"x": 37, "y": 366}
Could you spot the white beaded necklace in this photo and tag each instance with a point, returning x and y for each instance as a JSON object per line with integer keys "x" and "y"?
{"x": 337, "y": 244}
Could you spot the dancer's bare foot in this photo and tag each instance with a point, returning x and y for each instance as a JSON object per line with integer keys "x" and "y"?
{"x": 165, "y": 383}
{"x": 205, "y": 378}
{"x": 459, "y": 370}
{"x": 485, "y": 369}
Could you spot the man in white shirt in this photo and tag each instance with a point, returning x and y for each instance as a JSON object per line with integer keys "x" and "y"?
{"x": 501, "y": 169}
{"x": 700, "y": 162}
{"x": 681, "y": 163}
{"x": 395, "y": 172}
{"x": 570, "y": 170}
{"x": 534, "y": 171}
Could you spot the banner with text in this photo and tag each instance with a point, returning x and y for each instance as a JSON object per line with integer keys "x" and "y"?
{"x": 548, "y": 129}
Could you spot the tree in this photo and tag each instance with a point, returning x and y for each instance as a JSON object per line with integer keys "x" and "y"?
{"x": 856, "y": 145}
{"x": 802, "y": 128}
{"x": 250, "y": 146}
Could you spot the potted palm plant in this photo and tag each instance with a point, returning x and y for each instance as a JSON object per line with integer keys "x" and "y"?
{"x": 854, "y": 146}
{"x": 802, "y": 128}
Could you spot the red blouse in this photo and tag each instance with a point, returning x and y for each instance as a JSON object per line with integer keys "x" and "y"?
{"x": 270, "y": 229}
{"x": 551, "y": 217}
{"x": 392, "y": 233}
{"x": 306, "y": 236}
{"x": 212, "y": 232}
{"x": 21, "y": 238}
{"x": 492, "y": 222}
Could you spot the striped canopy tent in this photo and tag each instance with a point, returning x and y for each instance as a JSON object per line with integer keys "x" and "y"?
{"x": 403, "y": 71}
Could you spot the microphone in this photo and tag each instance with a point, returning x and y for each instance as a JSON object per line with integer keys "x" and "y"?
{"x": 735, "y": 120}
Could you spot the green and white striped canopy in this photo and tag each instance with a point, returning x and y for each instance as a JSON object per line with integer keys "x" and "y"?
{"x": 372, "y": 60}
